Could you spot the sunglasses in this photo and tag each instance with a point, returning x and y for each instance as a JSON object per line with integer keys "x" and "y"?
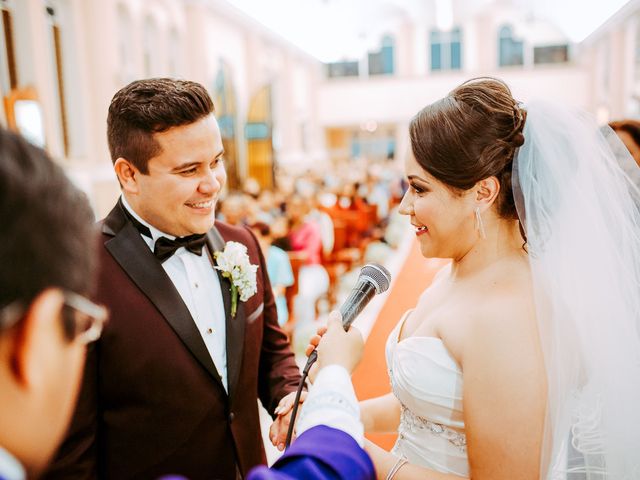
{"x": 82, "y": 320}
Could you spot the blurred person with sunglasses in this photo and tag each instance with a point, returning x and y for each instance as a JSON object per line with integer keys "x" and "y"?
{"x": 46, "y": 322}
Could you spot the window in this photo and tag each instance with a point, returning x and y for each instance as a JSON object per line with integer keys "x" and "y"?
{"x": 446, "y": 50}
{"x": 343, "y": 69}
{"x": 456, "y": 49}
{"x": 436, "y": 51}
{"x": 381, "y": 62}
{"x": 551, "y": 54}
{"x": 224, "y": 98}
{"x": 375, "y": 146}
{"x": 511, "y": 50}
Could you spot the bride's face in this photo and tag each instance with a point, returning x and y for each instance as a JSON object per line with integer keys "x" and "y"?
{"x": 443, "y": 219}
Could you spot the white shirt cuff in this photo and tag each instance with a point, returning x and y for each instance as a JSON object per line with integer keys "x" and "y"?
{"x": 332, "y": 402}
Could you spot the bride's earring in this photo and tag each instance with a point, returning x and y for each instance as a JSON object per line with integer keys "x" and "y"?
{"x": 480, "y": 224}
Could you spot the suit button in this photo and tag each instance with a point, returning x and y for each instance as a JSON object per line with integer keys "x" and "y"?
{"x": 231, "y": 417}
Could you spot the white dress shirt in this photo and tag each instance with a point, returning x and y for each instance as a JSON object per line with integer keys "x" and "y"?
{"x": 197, "y": 283}
{"x": 332, "y": 402}
{"x": 10, "y": 467}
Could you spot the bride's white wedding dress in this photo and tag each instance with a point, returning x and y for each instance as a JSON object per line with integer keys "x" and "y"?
{"x": 428, "y": 383}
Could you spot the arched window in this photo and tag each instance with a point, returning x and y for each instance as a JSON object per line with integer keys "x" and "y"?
{"x": 258, "y": 132}
{"x": 511, "y": 51}
{"x": 381, "y": 62}
{"x": 224, "y": 98}
{"x": 446, "y": 50}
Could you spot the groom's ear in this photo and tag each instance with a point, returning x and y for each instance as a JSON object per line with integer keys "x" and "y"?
{"x": 486, "y": 192}
{"x": 127, "y": 175}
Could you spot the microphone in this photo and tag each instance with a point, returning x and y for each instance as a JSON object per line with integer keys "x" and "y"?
{"x": 373, "y": 279}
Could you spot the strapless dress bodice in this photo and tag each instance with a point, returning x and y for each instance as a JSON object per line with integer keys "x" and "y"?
{"x": 427, "y": 381}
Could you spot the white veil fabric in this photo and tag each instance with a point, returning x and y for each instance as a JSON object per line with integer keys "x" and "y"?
{"x": 581, "y": 215}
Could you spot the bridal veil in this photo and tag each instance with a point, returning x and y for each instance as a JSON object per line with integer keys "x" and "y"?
{"x": 581, "y": 215}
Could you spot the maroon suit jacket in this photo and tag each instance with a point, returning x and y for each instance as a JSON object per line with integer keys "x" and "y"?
{"x": 152, "y": 401}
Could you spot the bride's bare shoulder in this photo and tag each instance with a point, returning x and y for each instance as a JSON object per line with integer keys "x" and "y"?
{"x": 505, "y": 306}
{"x": 507, "y": 282}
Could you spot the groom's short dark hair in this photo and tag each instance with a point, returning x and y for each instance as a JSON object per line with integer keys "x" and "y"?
{"x": 149, "y": 106}
{"x": 47, "y": 231}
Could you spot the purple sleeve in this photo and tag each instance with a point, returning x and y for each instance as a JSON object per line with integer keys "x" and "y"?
{"x": 320, "y": 453}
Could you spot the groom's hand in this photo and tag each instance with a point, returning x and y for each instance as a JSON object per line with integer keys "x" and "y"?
{"x": 280, "y": 426}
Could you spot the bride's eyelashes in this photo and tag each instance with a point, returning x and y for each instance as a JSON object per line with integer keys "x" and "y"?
{"x": 418, "y": 189}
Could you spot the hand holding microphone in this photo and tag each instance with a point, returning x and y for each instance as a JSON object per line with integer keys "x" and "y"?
{"x": 341, "y": 346}
{"x": 338, "y": 347}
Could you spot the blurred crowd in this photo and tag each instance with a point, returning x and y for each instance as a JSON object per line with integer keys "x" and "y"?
{"x": 317, "y": 228}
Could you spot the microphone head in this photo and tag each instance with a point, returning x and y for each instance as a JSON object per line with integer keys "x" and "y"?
{"x": 377, "y": 275}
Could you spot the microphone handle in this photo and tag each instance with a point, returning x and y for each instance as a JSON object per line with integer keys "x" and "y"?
{"x": 360, "y": 296}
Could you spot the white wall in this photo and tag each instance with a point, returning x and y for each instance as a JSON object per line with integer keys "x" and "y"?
{"x": 350, "y": 102}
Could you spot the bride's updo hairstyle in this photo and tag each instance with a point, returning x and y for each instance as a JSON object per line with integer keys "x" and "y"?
{"x": 469, "y": 135}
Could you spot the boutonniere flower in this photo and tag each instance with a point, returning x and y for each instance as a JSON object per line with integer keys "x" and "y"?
{"x": 234, "y": 264}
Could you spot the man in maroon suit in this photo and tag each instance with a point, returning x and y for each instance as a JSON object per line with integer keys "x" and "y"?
{"x": 193, "y": 340}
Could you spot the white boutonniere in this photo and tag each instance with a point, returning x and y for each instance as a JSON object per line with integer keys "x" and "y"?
{"x": 234, "y": 264}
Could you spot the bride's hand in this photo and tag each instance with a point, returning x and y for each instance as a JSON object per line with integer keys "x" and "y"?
{"x": 335, "y": 346}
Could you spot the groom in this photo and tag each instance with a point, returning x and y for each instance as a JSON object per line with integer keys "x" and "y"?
{"x": 171, "y": 387}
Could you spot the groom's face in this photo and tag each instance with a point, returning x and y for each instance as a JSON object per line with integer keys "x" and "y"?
{"x": 179, "y": 194}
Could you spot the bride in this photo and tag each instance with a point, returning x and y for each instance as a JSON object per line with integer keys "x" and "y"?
{"x": 522, "y": 359}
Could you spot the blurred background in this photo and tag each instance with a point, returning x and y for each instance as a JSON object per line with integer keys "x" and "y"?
{"x": 301, "y": 84}
{"x": 313, "y": 99}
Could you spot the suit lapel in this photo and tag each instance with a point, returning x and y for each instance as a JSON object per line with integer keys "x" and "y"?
{"x": 135, "y": 257}
{"x": 234, "y": 326}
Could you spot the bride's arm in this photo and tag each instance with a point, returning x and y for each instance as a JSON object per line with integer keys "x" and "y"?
{"x": 380, "y": 414}
{"x": 385, "y": 461}
{"x": 504, "y": 391}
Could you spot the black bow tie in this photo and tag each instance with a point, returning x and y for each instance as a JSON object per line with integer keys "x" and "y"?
{"x": 165, "y": 247}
